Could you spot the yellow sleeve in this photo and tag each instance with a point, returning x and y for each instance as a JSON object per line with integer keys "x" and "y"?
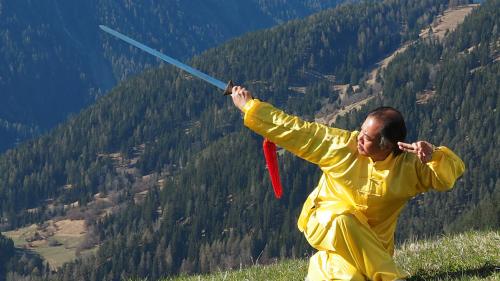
{"x": 311, "y": 141}
{"x": 442, "y": 171}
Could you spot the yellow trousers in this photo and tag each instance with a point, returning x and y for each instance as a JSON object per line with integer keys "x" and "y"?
{"x": 348, "y": 250}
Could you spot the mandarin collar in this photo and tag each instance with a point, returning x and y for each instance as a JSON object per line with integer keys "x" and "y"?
{"x": 387, "y": 161}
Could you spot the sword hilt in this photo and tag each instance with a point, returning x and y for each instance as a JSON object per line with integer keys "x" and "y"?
{"x": 229, "y": 88}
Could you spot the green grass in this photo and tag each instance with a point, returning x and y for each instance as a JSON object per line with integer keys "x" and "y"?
{"x": 459, "y": 257}
{"x": 56, "y": 256}
{"x": 468, "y": 256}
{"x": 285, "y": 270}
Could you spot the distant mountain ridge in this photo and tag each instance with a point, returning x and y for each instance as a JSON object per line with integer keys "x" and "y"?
{"x": 54, "y": 60}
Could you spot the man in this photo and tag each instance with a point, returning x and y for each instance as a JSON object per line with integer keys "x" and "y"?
{"x": 368, "y": 176}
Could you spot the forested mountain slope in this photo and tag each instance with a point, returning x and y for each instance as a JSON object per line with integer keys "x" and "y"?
{"x": 54, "y": 60}
{"x": 212, "y": 206}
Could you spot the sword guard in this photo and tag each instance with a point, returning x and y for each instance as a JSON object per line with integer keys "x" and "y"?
{"x": 229, "y": 88}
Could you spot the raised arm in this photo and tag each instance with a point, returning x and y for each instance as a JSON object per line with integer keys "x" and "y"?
{"x": 438, "y": 168}
{"x": 422, "y": 149}
{"x": 311, "y": 141}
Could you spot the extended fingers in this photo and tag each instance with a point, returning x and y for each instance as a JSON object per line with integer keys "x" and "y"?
{"x": 421, "y": 148}
{"x": 409, "y": 147}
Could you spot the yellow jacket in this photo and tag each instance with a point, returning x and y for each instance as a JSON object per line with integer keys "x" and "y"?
{"x": 375, "y": 192}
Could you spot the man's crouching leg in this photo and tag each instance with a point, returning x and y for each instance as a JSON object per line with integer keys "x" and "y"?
{"x": 348, "y": 250}
{"x": 327, "y": 265}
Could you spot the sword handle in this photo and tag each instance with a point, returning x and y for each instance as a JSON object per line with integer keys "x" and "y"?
{"x": 229, "y": 88}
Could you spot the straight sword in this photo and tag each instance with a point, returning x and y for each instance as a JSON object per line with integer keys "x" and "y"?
{"x": 269, "y": 147}
{"x": 227, "y": 88}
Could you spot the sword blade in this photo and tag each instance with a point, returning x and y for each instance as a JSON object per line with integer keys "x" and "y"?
{"x": 217, "y": 83}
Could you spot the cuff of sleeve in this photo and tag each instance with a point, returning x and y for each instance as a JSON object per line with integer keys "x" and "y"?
{"x": 447, "y": 167}
{"x": 249, "y": 105}
{"x": 440, "y": 152}
{"x": 437, "y": 153}
{"x": 249, "y": 109}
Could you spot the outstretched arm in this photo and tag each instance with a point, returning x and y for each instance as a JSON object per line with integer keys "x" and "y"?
{"x": 312, "y": 141}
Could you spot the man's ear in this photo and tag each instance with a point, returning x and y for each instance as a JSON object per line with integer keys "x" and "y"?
{"x": 385, "y": 144}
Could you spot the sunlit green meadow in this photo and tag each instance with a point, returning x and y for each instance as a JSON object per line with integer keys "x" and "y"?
{"x": 468, "y": 256}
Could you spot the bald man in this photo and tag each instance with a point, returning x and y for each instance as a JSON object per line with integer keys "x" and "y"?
{"x": 368, "y": 176}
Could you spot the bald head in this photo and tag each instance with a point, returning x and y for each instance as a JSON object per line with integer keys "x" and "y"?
{"x": 393, "y": 127}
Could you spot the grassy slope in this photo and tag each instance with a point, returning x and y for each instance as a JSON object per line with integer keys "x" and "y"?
{"x": 57, "y": 255}
{"x": 468, "y": 256}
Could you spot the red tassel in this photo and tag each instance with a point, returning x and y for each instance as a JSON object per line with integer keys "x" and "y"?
{"x": 272, "y": 166}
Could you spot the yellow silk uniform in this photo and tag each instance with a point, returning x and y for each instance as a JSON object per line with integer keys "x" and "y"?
{"x": 351, "y": 216}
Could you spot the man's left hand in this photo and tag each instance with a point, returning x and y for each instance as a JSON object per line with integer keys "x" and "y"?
{"x": 422, "y": 149}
